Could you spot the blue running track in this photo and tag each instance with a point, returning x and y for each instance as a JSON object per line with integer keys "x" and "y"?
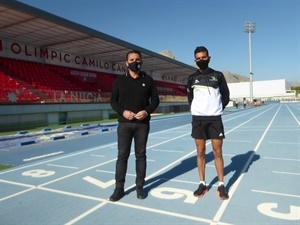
{"x": 68, "y": 181}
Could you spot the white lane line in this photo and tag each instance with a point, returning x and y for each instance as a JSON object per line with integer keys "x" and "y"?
{"x": 98, "y": 148}
{"x": 104, "y": 202}
{"x": 68, "y": 167}
{"x": 16, "y": 194}
{"x": 42, "y": 156}
{"x": 293, "y": 115}
{"x": 284, "y": 143}
{"x": 31, "y": 187}
{"x": 105, "y": 171}
{"x": 239, "y": 141}
{"x": 161, "y": 150}
{"x": 59, "y": 158}
{"x": 288, "y": 173}
{"x": 86, "y": 169}
{"x": 85, "y": 214}
{"x": 17, "y": 183}
{"x": 276, "y": 193}
{"x": 151, "y": 160}
{"x": 283, "y": 159}
{"x": 99, "y": 183}
{"x": 234, "y": 187}
{"x": 93, "y": 155}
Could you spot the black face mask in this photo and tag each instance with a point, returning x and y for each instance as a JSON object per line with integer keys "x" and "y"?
{"x": 203, "y": 64}
{"x": 134, "y": 66}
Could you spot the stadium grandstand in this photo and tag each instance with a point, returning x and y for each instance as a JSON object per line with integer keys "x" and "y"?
{"x": 54, "y": 71}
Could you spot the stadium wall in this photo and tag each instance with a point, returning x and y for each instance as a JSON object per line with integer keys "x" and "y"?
{"x": 22, "y": 117}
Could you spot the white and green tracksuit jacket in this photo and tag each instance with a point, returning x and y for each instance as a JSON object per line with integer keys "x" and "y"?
{"x": 208, "y": 93}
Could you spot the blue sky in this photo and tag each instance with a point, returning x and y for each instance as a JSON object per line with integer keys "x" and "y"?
{"x": 181, "y": 25}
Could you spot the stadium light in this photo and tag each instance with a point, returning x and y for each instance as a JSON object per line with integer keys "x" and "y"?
{"x": 250, "y": 28}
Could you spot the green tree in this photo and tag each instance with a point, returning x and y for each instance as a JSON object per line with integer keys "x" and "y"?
{"x": 296, "y": 88}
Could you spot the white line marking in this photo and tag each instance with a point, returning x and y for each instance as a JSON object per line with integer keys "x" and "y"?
{"x": 210, "y": 165}
{"x": 161, "y": 150}
{"x": 105, "y": 171}
{"x": 17, "y": 183}
{"x": 85, "y": 214}
{"x": 59, "y": 158}
{"x": 86, "y": 169}
{"x": 168, "y": 213}
{"x": 134, "y": 206}
{"x": 97, "y": 155}
{"x": 42, "y": 156}
{"x": 224, "y": 204}
{"x": 31, "y": 187}
{"x": 240, "y": 141}
{"x": 127, "y": 205}
{"x": 276, "y": 193}
{"x": 284, "y": 159}
{"x": 270, "y": 209}
{"x": 284, "y": 143}
{"x": 151, "y": 160}
{"x": 98, "y": 182}
{"x": 16, "y": 194}
{"x": 288, "y": 173}
{"x": 293, "y": 115}
{"x": 69, "y": 167}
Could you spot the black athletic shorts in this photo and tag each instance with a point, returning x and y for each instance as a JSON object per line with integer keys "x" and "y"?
{"x": 208, "y": 129}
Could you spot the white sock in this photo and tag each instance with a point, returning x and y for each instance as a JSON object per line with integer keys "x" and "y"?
{"x": 221, "y": 183}
{"x": 203, "y": 182}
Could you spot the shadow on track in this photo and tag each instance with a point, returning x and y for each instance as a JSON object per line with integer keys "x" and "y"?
{"x": 237, "y": 166}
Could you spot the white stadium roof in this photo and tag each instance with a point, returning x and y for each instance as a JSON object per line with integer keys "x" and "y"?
{"x": 21, "y": 22}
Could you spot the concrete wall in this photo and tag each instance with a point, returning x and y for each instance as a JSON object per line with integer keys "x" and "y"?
{"x": 21, "y": 117}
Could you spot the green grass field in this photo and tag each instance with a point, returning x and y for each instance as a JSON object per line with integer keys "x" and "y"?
{"x": 3, "y": 167}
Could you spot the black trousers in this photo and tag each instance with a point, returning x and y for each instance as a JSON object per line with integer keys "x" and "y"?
{"x": 126, "y": 133}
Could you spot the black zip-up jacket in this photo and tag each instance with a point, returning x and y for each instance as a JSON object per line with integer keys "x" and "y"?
{"x": 134, "y": 95}
{"x": 208, "y": 93}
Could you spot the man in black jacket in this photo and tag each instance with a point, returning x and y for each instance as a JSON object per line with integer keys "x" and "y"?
{"x": 208, "y": 95}
{"x": 134, "y": 97}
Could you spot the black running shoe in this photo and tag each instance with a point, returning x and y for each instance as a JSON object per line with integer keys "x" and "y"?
{"x": 222, "y": 193}
{"x": 140, "y": 193}
{"x": 202, "y": 189}
{"x": 117, "y": 195}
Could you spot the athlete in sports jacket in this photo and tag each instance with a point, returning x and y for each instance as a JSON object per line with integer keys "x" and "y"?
{"x": 208, "y": 95}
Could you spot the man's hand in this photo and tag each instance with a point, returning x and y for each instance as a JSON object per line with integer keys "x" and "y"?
{"x": 141, "y": 115}
{"x": 129, "y": 115}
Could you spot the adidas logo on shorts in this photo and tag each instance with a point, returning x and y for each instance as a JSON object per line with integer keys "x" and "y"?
{"x": 220, "y": 135}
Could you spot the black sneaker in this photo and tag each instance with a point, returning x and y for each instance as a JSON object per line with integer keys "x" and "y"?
{"x": 140, "y": 194}
{"x": 222, "y": 193}
{"x": 202, "y": 189}
{"x": 117, "y": 195}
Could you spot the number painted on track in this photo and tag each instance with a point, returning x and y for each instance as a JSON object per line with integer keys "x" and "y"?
{"x": 174, "y": 193}
{"x": 98, "y": 182}
{"x": 268, "y": 209}
{"x": 38, "y": 173}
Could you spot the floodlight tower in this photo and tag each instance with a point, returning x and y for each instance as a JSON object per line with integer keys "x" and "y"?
{"x": 250, "y": 28}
